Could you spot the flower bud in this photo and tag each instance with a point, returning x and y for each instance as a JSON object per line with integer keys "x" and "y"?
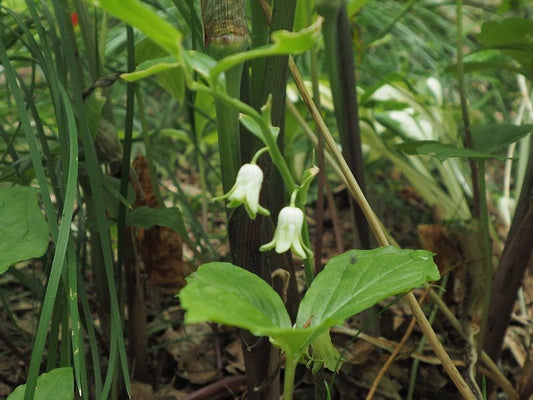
{"x": 288, "y": 234}
{"x": 247, "y": 189}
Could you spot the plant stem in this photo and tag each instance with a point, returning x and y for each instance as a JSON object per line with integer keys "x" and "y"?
{"x": 290, "y": 370}
{"x": 228, "y": 131}
{"x": 319, "y": 211}
{"x": 287, "y": 14}
{"x": 341, "y": 73}
{"x": 480, "y": 277}
{"x": 469, "y": 143}
{"x": 487, "y": 360}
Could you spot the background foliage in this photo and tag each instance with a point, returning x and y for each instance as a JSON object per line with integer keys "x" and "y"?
{"x": 71, "y": 125}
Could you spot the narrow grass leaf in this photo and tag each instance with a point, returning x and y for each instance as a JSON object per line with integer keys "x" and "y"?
{"x": 61, "y": 247}
{"x": 442, "y": 151}
{"x": 141, "y": 17}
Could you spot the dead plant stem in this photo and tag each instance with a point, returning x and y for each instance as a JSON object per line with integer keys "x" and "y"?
{"x": 379, "y": 233}
{"x": 375, "y": 225}
{"x": 394, "y": 353}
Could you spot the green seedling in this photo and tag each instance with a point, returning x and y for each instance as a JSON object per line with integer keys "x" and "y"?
{"x": 351, "y": 282}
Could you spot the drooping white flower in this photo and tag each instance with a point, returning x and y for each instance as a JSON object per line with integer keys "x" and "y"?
{"x": 288, "y": 234}
{"x": 246, "y": 190}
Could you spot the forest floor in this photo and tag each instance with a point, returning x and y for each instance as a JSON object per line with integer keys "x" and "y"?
{"x": 204, "y": 361}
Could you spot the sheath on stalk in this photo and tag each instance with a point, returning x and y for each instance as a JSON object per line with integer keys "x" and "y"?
{"x": 225, "y": 27}
{"x": 226, "y": 33}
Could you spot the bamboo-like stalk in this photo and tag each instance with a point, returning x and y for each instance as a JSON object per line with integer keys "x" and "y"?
{"x": 226, "y": 33}
{"x": 480, "y": 273}
{"x": 341, "y": 74}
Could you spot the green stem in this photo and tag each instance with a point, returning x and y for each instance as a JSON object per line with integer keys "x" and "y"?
{"x": 319, "y": 212}
{"x": 268, "y": 138}
{"x": 260, "y": 32}
{"x": 290, "y": 370}
{"x": 126, "y": 155}
{"x": 258, "y": 154}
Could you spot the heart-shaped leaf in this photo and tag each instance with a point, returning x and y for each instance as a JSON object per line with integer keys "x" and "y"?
{"x": 23, "y": 229}
{"x": 350, "y": 283}
{"x": 224, "y": 293}
{"x": 358, "y": 279}
{"x": 58, "y": 384}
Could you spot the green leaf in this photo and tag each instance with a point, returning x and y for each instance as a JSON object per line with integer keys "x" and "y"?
{"x": 513, "y": 36}
{"x": 283, "y": 42}
{"x": 440, "y": 150}
{"x": 224, "y": 293}
{"x": 358, "y": 279}
{"x": 151, "y": 67}
{"x": 57, "y": 384}
{"x": 150, "y": 60}
{"x": 146, "y": 217}
{"x": 200, "y": 62}
{"x": 254, "y": 127}
{"x": 23, "y": 229}
{"x": 139, "y": 16}
{"x": 350, "y": 283}
{"x": 354, "y": 6}
{"x": 494, "y": 137}
{"x": 251, "y": 125}
{"x": 325, "y": 353}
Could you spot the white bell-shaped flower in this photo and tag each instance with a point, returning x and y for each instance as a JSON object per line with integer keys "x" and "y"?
{"x": 288, "y": 234}
{"x": 246, "y": 190}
